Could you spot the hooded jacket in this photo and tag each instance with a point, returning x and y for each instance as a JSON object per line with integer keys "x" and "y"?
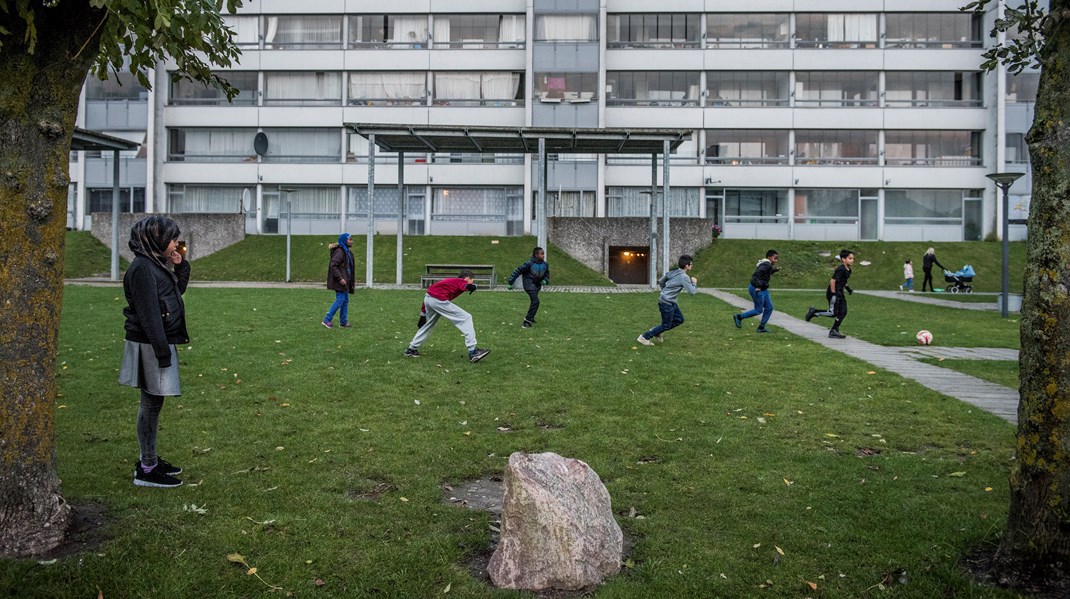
{"x": 155, "y": 313}
{"x": 763, "y": 271}
{"x": 341, "y": 266}
{"x": 672, "y": 283}
{"x": 534, "y": 273}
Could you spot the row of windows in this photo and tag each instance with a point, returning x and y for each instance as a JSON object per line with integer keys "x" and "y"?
{"x": 722, "y": 146}
{"x": 645, "y": 30}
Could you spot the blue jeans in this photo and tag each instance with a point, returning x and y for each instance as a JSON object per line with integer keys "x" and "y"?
{"x": 671, "y": 317}
{"x": 341, "y": 302}
{"x": 763, "y": 305}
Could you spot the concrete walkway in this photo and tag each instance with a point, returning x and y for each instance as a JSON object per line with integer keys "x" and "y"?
{"x": 935, "y": 299}
{"x": 997, "y": 399}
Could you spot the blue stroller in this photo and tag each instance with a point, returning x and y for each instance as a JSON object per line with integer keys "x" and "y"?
{"x": 959, "y": 282}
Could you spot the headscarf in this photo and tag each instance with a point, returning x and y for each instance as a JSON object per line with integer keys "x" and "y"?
{"x": 149, "y": 237}
{"x": 342, "y": 239}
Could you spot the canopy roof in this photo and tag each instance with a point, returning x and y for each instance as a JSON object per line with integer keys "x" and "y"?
{"x": 519, "y": 140}
{"x": 84, "y": 139}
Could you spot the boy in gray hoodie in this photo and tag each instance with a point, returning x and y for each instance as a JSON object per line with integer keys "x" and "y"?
{"x": 672, "y": 283}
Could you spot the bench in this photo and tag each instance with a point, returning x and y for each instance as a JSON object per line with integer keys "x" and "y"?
{"x": 483, "y": 274}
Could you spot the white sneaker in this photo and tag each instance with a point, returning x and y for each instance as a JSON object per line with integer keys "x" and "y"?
{"x": 644, "y": 340}
{"x": 900, "y": 288}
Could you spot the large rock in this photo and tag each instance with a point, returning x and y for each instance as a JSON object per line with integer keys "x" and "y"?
{"x": 557, "y": 528}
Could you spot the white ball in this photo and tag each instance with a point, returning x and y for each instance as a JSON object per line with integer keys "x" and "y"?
{"x": 924, "y": 337}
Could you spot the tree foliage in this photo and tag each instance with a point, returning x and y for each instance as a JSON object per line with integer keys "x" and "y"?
{"x": 1026, "y": 25}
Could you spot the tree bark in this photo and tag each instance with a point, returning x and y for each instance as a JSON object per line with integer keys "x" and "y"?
{"x": 1038, "y": 524}
{"x": 38, "y": 106}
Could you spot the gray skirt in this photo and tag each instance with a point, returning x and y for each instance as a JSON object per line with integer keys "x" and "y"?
{"x": 140, "y": 369}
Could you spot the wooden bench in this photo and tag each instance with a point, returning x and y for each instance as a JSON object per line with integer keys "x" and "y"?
{"x": 483, "y": 274}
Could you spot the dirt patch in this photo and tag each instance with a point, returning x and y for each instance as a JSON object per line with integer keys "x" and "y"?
{"x": 372, "y": 490}
{"x": 1029, "y": 579}
{"x": 482, "y": 495}
{"x": 85, "y": 532}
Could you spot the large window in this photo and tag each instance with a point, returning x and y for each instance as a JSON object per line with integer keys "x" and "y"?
{"x": 845, "y": 30}
{"x": 221, "y": 144}
{"x": 386, "y": 202}
{"x": 747, "y": 88}
{"x": 479, "y": 31}
{"x": 836, "y": 88}
{"x": 932, "y": 88}
{"x": 826, "y": 206}
{"x": 304, "y": 145}
{"x": 192, "y": 93}
{"x": 925, "y": 206}
{"x": 303, "y": 89}
{"x": 478, "y": 89}
{"x": 478, "y": 204}
{"x": 747, "y": 30}
{"x": 567, "y": 87}
{"x": 746, "y": 146}
{"x": 388, "y": 31}
{"x": 225, "y": 199}
{"x": 122, "y": 85}
{"x": 246, "y": 29}
{"x": 1022, "y": 88}
{"x": 387, "y": 88}
{"x": 131, "y": 199}
{"x": 635, "y": 201}
{"x": 657, "y": 88}
{"x": 933, "y": 30}
{"x": 652, "y": 30}
{"x": 303, "y": 32}
{"x": 932, "y": 148}
{"x": 763, "y": 206}
{"x": 306, "y": 202}
{"x": 835, "y": 146}
{"x": 1017, "y": 150}
{"x": 566, "y": 28}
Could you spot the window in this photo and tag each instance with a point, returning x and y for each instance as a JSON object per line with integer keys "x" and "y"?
{"x": 218, "y": 199}
{"x": 924, "y": 206}
{"x": 746, "y": 146}
{"x": 570, "y": 203}
{"x": 479, "y": 31}
{"x": 838, "y": 146}
{"x": 571, "y": 87}
{"x": 118, "y": 86}
{"x": 848, "y": 30}
{"x": 657, "y": 88}
{"x": 211, "y": 145}
{"x": 747, "y": 88}
{"x": 246, "y": 30}
{"x": 566, "y": 28}
{"x": 1022, "y": 88}
{"x": 393, "y": 88}
{"x": 635, "y": 201}
{"x": 836, "y": 88}
{"x": 1017, "y": 150}
{"x": 478, "y": 204}
{"x": 755, "y": 206}
{"x": 932, "y": 148}
{"x": 932, "y": 88}
{"x": 386, "y": 202}
{"x": 653, "y": 30}
{"x": 826, "y": 206}
{"x": 131, "y": 199}
{"x": 933, "y": 30}
{"x": 478, "y": 89}
{"x": 304, "y": 145}
{"x": 726, "y": 30}
{"x": 302, "y": 89}
{"x": 190, "y": 93}
{"x": 307, "y": 202}
{"x": 303, "y": 32}
{"x": 388, "y": 31}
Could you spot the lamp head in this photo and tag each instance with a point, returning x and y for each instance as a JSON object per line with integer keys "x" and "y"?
{"x": 1003, "y": 180}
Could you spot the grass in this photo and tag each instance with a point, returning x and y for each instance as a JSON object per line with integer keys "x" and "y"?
{"x": 84, "y": 256}
{"x": 729, "y": 447}
{"x": 1001, "y": 372}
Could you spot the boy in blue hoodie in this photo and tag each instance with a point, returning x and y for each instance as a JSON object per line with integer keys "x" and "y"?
{"x": 672, "y": 283}
{"x": 535, "y": 273}
{"x": 340, "y": 273}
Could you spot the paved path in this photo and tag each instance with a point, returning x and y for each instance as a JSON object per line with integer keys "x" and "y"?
{"x": 935, "y": 299}
{"x": 997, "y": 399}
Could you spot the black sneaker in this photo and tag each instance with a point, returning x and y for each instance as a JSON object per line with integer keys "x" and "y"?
{"x": 162, "y": 464}
{"x": 738, "y": 319}
{"x": 834, "y": 334}
{"x": 527, "y": 324}
{"x": 412, "y": 353}
{"x": 477, "y": 354}
{"x": 157, "y": 478}
{"x": 810, "y": 313}
{"x": 761, "y": 330}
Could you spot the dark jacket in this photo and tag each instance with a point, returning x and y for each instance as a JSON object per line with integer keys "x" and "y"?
{"x": 340, "y": 268}
{"x": 534, "y": 274}
{"x": 762, "y": 274}
{"x": 155, "y": 312}
{"x": 928, "y": 261}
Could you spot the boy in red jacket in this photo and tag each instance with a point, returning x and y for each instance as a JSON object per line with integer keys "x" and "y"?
{"x": 438, "y": 302}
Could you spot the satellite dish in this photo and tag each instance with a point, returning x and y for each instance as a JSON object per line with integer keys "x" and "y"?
{"x": 260, "y": 143}
{"x": 245, "y": 197}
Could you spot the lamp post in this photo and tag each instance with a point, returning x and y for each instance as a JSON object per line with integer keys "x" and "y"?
{"x": 289, "y": 225}
{"x": 1003, "y": 182}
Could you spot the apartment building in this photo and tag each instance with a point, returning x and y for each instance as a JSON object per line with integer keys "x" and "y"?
{"x": 838, "y": 119}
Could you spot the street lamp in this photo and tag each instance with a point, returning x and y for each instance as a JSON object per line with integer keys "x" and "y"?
{"x": 1003, "y": 182}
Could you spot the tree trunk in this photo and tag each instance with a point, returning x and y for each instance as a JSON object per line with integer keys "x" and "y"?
{"x": 1038, "y": 525}
{"x": 38, "y": 106}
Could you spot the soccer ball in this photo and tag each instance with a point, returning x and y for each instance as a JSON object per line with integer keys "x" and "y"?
{"x": 924, "y": 337}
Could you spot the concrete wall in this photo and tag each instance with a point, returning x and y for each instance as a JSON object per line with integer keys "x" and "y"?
{"x": 588, "y": 239}
{"x": 204, "y": 234}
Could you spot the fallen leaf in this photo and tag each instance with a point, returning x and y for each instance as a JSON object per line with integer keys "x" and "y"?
{"x": 319, "y": 582}
{"x": 872, "y": 372}
{"x": 404, "y": 500}
{"x": 447, "y": 589}
{"x": 236, "y": 558}
{"x": 778, "y": 550}
{"x": 957, "y": 474}
{"x": 756, "y": 545}
{"x": 813, "y": 585}
{"x": 416, "y": 401}
{"x": 250, "y": 571}
{"x": 789, "y": 482}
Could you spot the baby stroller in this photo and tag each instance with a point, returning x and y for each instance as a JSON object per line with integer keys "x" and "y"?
{"x": 959, "y": 281}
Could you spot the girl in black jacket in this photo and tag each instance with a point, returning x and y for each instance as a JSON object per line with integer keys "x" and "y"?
{"x": 155, "y": 322}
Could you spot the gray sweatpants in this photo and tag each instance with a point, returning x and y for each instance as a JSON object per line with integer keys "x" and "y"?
{"x": 448, "y": 310}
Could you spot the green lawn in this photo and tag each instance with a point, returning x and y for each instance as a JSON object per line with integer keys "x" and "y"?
{"x": 730, "y": 448}
{"x": 84, "y": 256}
{"x": 1001, "y": 372}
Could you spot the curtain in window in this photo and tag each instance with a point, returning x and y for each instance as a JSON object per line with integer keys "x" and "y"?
{"x": 442, "y": 31}
{"x": 635, "y": 201}
{"x": 271, "y": 32}
{"x": 409, "y": 30}
{"x": 302, "y": 86}
{"x": 314, "y": 201}
{"x": 500, "y": 86}
{"x": 859, "y": 27}
{"x": 205, "y": 198}
{"x": 383, "y": 86}
{"x": 565, "y": 27}
{"x": 571, "y": 203}
{"x": 511, "y": 30}
{"x": 322, "y": 144}
{"x": 457, "y": 86}
{"x": 386, "y": 201}
{"x": 316, "y": 31}
{"x": 221, "y": 143}
{"x": 246, "y": 29}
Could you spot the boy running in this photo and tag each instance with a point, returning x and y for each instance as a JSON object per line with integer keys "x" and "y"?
{"x": 672, "y": 283}
{"x": 834, "y": 294}
{"x": 759, "y": 291}
{"x": 535, "y": 273}
{"x": 439, "y": 302}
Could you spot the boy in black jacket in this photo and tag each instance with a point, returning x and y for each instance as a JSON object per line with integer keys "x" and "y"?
{"x": 759, "y": 291}
{"x": 535, "y": 273}
{"x": 834, "y": 294}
